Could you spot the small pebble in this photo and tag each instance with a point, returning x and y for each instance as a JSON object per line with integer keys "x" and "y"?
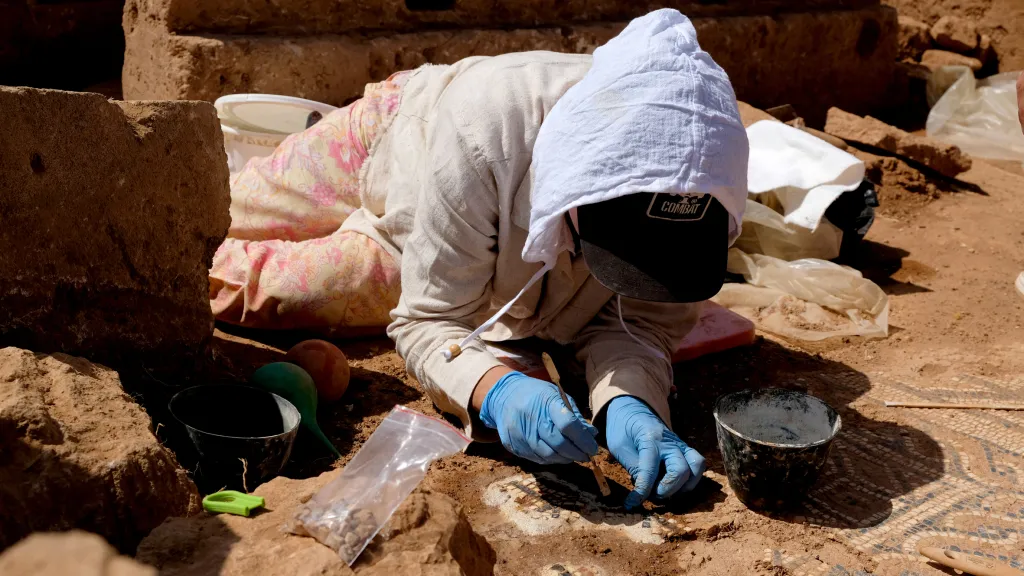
{"x": 338, "y": 527}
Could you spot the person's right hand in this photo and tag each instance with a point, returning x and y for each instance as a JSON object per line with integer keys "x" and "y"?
{"x": 534, "y": 423}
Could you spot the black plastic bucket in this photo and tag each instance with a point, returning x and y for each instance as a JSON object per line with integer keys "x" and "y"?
{"x": 774, "y": 444}
{"x": 237, "y": 430}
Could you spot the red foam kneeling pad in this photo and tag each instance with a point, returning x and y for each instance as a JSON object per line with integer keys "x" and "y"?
{"x": 718, "y": 329}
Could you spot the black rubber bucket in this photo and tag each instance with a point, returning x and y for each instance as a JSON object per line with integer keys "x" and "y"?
{"x": 238, "y": 431}
{"x": 774, "y": 444}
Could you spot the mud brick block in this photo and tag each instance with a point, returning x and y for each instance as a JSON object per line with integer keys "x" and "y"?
{"x": 956, "y": 34}
{"x": 946, "y": 159}
{"x": 935, "y": 59}
{"x": 332, "y": 69}
{"x": 771, "y": 60}
{"x": 110, "y": 213}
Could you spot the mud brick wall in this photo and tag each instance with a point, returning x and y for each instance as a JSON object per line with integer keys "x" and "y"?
{"x": 810, "y": 53}
{"x": 307, "y": 17}
{"x": 110, "y": 213}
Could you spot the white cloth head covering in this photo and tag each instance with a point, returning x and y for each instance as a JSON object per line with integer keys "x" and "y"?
{"x": 653, "y": 114}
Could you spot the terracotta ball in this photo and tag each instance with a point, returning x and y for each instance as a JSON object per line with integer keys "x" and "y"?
{"x": 326, "y": 364}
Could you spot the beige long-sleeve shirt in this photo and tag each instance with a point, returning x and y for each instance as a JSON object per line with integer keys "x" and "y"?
{"x": 446, "y": 189}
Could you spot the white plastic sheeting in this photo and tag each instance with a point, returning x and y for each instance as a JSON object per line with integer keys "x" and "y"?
{"x": 979, "y": 116}
{"x": 791, "y": 288}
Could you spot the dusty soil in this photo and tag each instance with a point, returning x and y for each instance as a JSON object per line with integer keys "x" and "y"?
{"x": 428, "y": 535}
{"x": 77, "y": 452}
{"x": 74, "y": 552}
{"x": 946, "y": 251}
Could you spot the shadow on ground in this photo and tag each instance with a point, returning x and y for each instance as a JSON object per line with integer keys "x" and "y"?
{"x": 235, "y": 353}
{"x": 889, "y": 267}
{"x": 345, "y": 422}
{"x": 866, "y": 469}
{"x": 864, "y": 474}
{"x": 176, "y": 552}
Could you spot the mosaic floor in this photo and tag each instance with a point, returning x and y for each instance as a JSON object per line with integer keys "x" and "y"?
{"x": 947, "y": 478}
{"x": 966, "y": 496}
{"x": 544, "y": 504}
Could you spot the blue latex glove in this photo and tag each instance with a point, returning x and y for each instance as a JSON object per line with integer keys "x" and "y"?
{"x": 535, "y": 424}
{"x": 641, "y": 442}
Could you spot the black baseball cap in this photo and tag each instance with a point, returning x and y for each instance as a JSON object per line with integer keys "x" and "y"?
{"x": 656, "y": 246}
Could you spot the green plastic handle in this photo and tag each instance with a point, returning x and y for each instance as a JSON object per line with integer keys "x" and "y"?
{"x": 231, "y": 502}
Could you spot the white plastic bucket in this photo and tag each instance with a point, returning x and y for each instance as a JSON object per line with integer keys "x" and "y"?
{"x": 255, "y": 124}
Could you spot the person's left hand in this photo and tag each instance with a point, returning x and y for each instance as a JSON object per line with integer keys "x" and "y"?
{"x": 641, "y": 442}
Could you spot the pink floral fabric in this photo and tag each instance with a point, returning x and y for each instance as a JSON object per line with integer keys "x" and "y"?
{"x": 285, "y": 263}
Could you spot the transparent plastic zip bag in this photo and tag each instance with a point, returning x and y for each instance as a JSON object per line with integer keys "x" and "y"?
{"x": 347, "y": 513}
{"x": 979, "y": 116}
{"x": 806, "y": 299}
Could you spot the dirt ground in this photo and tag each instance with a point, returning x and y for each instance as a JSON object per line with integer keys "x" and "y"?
{"x": 947, "y": 253}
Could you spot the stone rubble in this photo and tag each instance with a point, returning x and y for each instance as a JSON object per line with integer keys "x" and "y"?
{"x": 935, "y": 59}
{"x": 956, "y": 34}
{"x": 914, "y": 38}
{"x": 945, "y": 159}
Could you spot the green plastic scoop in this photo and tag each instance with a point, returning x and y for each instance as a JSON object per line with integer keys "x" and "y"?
{"x": 232, "y": 502}
{"x": 296, "y": 386}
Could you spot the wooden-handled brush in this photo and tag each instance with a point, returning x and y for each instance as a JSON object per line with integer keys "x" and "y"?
{"x": 549, "y": 364}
